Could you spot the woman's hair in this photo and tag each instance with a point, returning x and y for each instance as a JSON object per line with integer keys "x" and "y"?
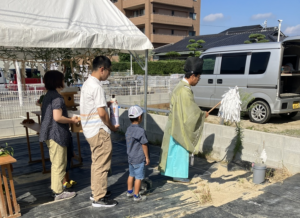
{"x": 53, "y": 79}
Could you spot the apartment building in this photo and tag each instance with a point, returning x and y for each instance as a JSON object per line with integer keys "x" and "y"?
{"x": 163, "y": 21}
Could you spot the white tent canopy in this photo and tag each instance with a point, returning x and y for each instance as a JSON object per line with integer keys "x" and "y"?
{"x": 68, "y": 24}
{"x": 75, "y": 24}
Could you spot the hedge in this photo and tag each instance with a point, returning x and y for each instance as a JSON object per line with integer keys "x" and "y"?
{"x": 154, "y": 67}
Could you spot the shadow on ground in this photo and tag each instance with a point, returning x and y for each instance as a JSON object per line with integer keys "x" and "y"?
{"x": 34, "y": 193}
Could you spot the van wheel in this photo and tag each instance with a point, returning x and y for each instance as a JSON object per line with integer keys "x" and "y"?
{"x": 289, "y": 115}
{"x": 259, "y": 112}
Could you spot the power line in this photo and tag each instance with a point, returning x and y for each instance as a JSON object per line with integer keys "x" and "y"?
{"x": 214, "y": 26}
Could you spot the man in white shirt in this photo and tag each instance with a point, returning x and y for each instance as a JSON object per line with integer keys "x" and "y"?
{"x": 97, "y": 128}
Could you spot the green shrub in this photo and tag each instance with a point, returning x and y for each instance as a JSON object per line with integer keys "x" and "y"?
{"x": 154, "y": 67}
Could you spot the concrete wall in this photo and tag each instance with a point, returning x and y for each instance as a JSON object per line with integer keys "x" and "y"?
{"x": 218, "y": 141}
{"x": 139, "y": 99}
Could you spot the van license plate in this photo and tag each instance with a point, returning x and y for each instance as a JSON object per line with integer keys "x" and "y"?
{"x": 296, "y": 105}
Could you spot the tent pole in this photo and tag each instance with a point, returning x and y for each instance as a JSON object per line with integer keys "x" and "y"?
{"x": 19, "y": 83}
{"x": 146, "y": 88}
{"x": 131, "y": 65}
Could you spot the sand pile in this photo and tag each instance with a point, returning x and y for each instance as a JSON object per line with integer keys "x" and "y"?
{"x": 230, "y": 186}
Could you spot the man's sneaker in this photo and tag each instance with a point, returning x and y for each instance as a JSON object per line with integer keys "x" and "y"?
{"x": 104, "y": 202}
{"x": 139, "y": 198}
{"x": 108, "y": 193}
{"x": 64, "y": 195}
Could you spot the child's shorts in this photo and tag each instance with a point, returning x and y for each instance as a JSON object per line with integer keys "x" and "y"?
{"x": 137, "y": 170}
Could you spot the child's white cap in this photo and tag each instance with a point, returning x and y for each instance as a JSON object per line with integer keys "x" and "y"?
{"x": 135, "y": 111}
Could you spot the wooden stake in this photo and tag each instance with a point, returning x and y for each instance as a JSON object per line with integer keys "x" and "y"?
{"x": 214, "y": 107}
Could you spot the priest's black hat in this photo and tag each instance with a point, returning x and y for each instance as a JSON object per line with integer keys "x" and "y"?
{"x": 193, "y": 65}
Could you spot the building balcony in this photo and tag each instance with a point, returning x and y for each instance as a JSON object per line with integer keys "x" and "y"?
{"x": 158, "y": 38}
{"x": 171, "y": 20}
{"x": 133, "y": 4}
{"x": 179, "y": 3}
{"x": 140, "y": 20}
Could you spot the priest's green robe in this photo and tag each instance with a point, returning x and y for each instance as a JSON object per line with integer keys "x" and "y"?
{"x": 182, "y": 133}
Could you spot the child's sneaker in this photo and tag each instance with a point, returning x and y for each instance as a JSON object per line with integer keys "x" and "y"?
{"x": 129, "y": 195}
{"x": 139, "y": 198}
{"x": 72, "y": 182}
{"x": 67, "y": 185}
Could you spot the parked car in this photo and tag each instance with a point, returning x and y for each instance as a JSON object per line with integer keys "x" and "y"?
{"x": 257, "y": 69}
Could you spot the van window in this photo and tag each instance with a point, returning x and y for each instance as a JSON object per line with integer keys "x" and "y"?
{"x": 208, "y": 64}
{"x": 0, "y": 74}
{"x": 233, "y": 63}
{"x": 259, "y": 62}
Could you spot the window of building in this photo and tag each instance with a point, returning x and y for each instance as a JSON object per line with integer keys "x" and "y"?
{"x": 153, "y": 31}
{"x": 192, "y": 33}
{"x": 172, "y": 32}
{"x": 135, "y": 13}
{"x": 153, "y": 10}
{"x": 142, "y": 29}
{"x": 142, "y": 12}
{"x": 259, "y": 62}
{"x": 114, "y": 1}
{"x": 233, "y": 63}
{"x": 193, "y": 15}
{"x": 208, "y": 64}
{"x": 173, "y": 12}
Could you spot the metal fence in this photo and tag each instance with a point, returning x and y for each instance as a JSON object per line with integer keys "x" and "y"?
{"x": 10, "y": 103}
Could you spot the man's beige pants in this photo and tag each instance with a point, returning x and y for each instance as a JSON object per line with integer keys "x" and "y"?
{"x": 101, "y": 148}
{"x": 58, "y": 158}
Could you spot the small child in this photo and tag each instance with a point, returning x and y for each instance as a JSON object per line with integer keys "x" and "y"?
{"x": 137, "y": 150}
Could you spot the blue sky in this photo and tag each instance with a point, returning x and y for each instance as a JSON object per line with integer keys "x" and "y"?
{"x": 219, "y": 15}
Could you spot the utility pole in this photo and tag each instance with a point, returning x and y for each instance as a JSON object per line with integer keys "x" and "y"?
{"x": 279, "y": 27}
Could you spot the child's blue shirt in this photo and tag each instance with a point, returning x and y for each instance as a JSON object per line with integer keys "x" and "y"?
{"x": 135, "y": 138}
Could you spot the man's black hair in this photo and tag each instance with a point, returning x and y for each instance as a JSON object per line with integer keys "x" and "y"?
{"x": 53, "y": 79}
{"x": 101, "y": 61}
{"x": 189, "y": 74}
{"x": 193, "y": 65}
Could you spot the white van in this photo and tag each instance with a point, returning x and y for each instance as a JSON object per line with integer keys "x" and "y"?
{"x": 256, "y": 69}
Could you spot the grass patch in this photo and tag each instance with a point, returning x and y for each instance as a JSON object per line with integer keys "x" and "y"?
{"x": 291, "y": 132}
{"x": 277, "y": 175}
{"x": 202, "y": 194}
{"x": 241, "y": 180}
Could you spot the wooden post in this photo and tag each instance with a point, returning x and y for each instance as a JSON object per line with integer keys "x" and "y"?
{"x": 8, "y": 206}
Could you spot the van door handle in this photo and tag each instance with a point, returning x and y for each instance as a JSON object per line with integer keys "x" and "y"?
{"x": 210, "y": 81}
{"x": 219, "y": 81}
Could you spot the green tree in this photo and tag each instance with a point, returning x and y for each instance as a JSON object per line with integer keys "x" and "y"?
{"x": 173, "y": 54}
{"x": 194, "y": 46}
{"x": 256, "y": 38}
{"x": 123, "y": 57}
